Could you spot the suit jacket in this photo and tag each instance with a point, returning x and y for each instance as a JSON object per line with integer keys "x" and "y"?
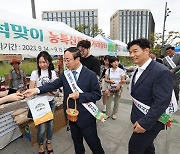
{"x": 159, "y": 60}
{"x": 88, "y": 83}
{"x": 176, "y": 60}
{"x": 153, "y": 88}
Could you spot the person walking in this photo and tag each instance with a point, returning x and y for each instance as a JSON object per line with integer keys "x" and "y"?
{"x": 77, "y": 77}
{"x": 172, "y": 62}
{"x": 17, "y": 76}
{"x": 115, "y": 76}
{"x": 42, "y": 76}
{"x": 152, "y": 85}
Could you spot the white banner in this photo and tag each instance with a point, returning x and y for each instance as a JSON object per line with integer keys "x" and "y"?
{"x": 20, "y": 35}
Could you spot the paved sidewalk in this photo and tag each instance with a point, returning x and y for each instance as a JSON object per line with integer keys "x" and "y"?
{"x": 114, "y": 135}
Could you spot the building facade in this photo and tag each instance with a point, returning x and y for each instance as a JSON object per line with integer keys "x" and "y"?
{"x": 127, "y": 25}
{"x": 83, "y": 19}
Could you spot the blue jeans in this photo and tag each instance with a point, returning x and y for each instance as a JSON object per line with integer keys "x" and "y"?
{"x": 46, "y": 127}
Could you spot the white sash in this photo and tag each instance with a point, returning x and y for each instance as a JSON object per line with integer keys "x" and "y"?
{"x": 172, "y": 108}
{"x": 170, "y": 62}
{"x": 90, "y": 106}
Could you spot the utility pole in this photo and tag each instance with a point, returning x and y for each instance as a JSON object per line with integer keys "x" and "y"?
{"x": 166, "y": 14}
{"x": 33, "y": 9}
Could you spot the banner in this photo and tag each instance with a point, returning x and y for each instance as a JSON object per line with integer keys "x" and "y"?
{"x": 20, "y": 35}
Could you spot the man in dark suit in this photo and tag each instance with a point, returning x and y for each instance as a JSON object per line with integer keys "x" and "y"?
{"x": 154, "y": 57}
{"x": 176, "y": 70}
{"x": 85, "y": 126}
{"x": 152, "y": 86}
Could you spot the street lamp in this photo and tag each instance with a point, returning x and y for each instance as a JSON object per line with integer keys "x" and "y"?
{"x": 33, "y": 9}
{"x": 166, "y": 14}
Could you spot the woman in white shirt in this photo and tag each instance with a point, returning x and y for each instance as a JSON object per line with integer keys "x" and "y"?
{"x": 116, "y": 78}
{"x": 43, "y": 75}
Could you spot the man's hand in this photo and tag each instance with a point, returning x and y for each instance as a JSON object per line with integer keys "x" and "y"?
{"x": 30, "y": 92}
{"x": 74, "y": 95}
{"x": 138, "y": 128}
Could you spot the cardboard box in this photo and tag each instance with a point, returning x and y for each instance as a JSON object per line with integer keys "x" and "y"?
{"x": 30, "y": 130}
{"x": 59, "y": 119}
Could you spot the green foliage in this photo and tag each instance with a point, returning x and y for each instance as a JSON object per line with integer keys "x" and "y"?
{"x": 126, "y": 61}
{"x": 172, "y": 38}
{"x": 27, "y": 66}
{"x": 93, "y": 30}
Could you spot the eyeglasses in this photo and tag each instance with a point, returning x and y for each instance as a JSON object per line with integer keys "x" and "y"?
{"x": 67, "y": 60}
{"x": 83, "y": 50}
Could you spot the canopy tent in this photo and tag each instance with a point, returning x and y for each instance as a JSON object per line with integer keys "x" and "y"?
{"x": 20, "y": 35}
{"x": 177, "y": 49}
{"x": 119, "y": 48}
{"x": 112, "y": 47}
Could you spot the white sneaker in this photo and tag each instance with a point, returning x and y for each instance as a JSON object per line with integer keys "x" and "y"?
{"x": 113, "y": 117}
{"x": 104, "y": 110}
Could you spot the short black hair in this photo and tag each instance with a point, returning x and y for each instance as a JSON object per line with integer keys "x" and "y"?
{"x": 84, "y": 43}
{"x": 172, "y": 48}
{"x": 75, "y": 51}
{"x": 112, "y": 59}
{"x": 106, "y": 57}
{"x": 143, "y": 43}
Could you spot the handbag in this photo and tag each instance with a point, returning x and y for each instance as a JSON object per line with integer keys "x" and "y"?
{"x": 40, "y": 110}
{"x": 104, "y": 84}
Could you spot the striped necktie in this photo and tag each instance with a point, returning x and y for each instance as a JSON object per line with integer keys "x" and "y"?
{"x": 74, "y": 73}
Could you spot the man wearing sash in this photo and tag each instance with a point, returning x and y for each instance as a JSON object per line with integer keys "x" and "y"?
{"x": 151, "y": 86}
{"x": 82, "y": 86}
{"x": 172, "y": 61}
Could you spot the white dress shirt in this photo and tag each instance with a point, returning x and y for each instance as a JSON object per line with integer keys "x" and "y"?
{"x": 141, "y": 69}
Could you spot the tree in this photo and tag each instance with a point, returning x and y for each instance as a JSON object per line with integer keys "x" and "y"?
{"x": 90, "y": 30}
{"x": 172, "y": 38}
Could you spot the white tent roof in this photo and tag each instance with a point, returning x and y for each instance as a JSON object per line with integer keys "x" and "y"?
{"x": 121, "y": 46}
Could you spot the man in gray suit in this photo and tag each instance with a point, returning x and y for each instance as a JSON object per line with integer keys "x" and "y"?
{"x": 175, "y": 69}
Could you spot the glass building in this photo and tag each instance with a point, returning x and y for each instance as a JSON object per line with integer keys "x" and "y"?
{"x": 74, "y": 18}
{"x": 127, "y": 25}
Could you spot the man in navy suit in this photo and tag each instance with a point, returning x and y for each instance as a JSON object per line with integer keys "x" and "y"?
{"x": 175, "y": 70}
{"x": 152, "y": 85}
{"x": 85, "y": 127}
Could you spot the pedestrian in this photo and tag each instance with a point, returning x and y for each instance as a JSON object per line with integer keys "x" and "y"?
{"x": 172, "y": 62}
{"x": 115, "y": 76}
{"x": 153, "y": 56}
{"x": 102, "y": 80}
{"x": 87, "y": 59}
{"x": 152, "y": 85}
{"x": 17, "y": 77}
{"x": 83, "y": 78}
{"x": 42, "y": 76}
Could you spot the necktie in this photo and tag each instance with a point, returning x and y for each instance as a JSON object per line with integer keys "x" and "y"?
{"x": 74, "y": 73}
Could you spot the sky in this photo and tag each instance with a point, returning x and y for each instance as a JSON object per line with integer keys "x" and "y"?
{"x": 106, "y": 8}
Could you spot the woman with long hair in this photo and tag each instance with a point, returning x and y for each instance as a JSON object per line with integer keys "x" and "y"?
{"x": 43, "y": 75}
